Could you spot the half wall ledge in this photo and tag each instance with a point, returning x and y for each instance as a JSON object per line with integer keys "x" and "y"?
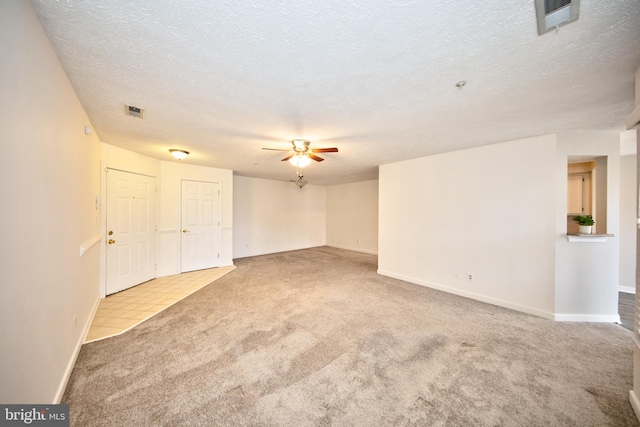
{"x": 588, "y": 238}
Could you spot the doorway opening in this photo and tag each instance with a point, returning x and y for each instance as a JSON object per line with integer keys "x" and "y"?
{"x": 587, "y": 192}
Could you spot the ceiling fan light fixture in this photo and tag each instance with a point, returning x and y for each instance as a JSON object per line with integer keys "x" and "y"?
{"x": 300, "y": 145}
{"x": 179, "y": 154}
{"x": 300, "y": 161}
{"x": 301, "y": 182}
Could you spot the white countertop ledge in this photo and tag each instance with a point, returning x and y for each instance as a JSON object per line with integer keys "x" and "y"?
{"x": 588, "y": 238}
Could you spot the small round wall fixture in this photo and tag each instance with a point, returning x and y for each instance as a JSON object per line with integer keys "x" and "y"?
{"x": 179, "y": 154}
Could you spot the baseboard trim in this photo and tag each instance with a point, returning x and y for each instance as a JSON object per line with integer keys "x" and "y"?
{"x": 635, "y": 403}
{"x": 76, "y": 352}
{"x": 634, "y": 399}
{"x": 347, "y": 248}
{"x": 593, "y": 318}
{"x": 471, "y": 295}
{"x": 627, "y": 289}
{"x": 252, "y": 254}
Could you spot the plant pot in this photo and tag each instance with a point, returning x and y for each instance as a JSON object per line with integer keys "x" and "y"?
{"x": 585, "y": 229}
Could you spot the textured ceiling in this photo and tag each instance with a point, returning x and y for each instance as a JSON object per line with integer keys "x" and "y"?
{"x": 375, "y": 78}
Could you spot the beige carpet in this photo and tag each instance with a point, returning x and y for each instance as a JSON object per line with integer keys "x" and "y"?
{"x": 316, "y": 337}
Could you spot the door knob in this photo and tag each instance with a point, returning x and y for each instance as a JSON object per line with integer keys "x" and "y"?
{"x": 111, "y": 241}
{"x": 185, "y": 230}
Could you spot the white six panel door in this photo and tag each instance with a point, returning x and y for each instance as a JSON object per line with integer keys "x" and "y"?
{"x": 201, "y": 230}
{"x": 131, "y": 236}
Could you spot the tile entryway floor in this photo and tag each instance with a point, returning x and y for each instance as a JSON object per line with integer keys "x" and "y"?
{"x": 120, "y": 312}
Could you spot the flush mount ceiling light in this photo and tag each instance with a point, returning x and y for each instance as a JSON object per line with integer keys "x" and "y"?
{"x": 179, "y": 154}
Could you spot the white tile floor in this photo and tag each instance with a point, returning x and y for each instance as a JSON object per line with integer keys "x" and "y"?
{"x": 120, "y": 312}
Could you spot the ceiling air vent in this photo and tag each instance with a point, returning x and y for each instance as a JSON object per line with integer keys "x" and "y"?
{"x": 552, "y": 14}
{"x": 130, "y": 110}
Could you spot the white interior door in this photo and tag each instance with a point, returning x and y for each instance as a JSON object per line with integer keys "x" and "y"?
{"x": 131, "y": 225}
{"x": 200, "y": 225}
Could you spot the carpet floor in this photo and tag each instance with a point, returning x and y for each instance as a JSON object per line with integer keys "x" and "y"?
{"x": 317, "y": 338}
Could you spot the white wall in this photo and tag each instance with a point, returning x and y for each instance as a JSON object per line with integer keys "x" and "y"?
{"x": 352, "y": 216}
{"x": 119, "y": 158}
{"x": 587, "y": 273}
{"x": 276, "y": 216}
{"x": 45, "y": 283}
{"x": 628, "y": 211}
{"x": 488, "y": 211}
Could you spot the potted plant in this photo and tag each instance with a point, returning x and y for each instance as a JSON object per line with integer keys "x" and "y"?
{"x": 585, "y": 222}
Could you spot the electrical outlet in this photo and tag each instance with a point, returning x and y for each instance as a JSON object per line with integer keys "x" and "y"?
{"x": 470, "y": 277}
{"x": 456, "y": 274}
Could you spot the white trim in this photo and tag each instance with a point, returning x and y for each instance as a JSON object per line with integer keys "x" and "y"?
{"x": 635, "y": 403}
{"x": 92, "y": 241}
{"x": 353, "y": 249}
{"x": 76, "y": 352}
{"x": 471, "y": 295}
{"x": 633, "y": 120}
{"x": 593, "y": 318}
{"x": 169, "y": 231}
{"x": 633, "y": 397}
{"x": 277, "y": 252}
{"x": 627, "y": 289}
{"x": 584, "y": 238}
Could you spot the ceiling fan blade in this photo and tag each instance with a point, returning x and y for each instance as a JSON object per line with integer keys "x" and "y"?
{"x": 276, "y": 149}
{"x": 325, "y": 150}
{"x": 288, "y": 157}
{"x": 314, "y": 157}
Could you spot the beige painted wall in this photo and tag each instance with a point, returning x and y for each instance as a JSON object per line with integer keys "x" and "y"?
{"x": 46, "y": 284}
{"x": 499, "y": 212}
{"x": 169, "y": 175}
{"x": 276, "y": 216}
{"x": 628, "y": 211}
{"x": 587, "y": 273}
{"x": 488, "y": 211}
{"x": 634, "y": 395}
{"x": 172, "y": 174}
{"x": 352, "y": 216}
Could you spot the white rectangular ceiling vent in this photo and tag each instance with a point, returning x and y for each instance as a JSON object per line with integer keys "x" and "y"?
{"x": 552, "y": 14}
{"x": 130, "y": 110}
